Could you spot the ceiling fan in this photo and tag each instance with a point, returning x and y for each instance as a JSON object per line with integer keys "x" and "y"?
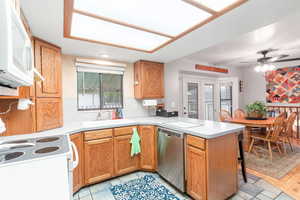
{"x": 265, "y": 62}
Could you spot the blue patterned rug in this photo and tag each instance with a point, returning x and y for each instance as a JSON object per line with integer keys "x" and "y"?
{"x": 145, "y": 188}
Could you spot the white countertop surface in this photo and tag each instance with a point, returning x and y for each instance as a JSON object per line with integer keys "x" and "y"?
{"x": 201, "y": 128}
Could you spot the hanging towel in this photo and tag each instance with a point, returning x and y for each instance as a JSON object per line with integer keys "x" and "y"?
{"x": 135, "y": 143}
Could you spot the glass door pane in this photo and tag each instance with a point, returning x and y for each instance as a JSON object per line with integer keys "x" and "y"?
{"x": 226, "y": 97}
{"x": 208, "y": 101}
{"x": 192, "y": 103}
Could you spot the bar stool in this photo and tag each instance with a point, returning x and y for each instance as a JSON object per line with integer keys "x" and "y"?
{"x": 241, "y": 158}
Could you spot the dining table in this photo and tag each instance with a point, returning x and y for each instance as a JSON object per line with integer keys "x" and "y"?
{"x": 250, "y": 124}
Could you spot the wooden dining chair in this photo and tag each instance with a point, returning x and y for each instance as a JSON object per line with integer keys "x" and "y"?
{"x": 273, "y": 138}
{"x": 225, "y": 116}
{"x": 239, "y": 114}
{"x": 287, "y": 133}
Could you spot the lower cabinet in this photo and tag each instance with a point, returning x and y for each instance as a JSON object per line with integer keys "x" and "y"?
{"x": 99, "y": 160}
{"x": 78, "y": 178}
{"x": 148, "y": 137}
{"x": 106, "y": 153}
{"x": 211, "y": 167}
{"x": 124, "y": 162}
{"x": 196, "y": 172}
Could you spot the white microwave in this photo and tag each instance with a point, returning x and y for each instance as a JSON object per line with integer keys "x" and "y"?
{"x": 16, "y": 51}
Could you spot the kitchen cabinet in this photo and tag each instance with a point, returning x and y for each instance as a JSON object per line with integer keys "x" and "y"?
{"x": 196, "y": 172}
{"x": 78, "y": 177}
{"x": 48, "y": 63}
{"x": 124, "y": 162}
{"x": 148, "y": 143}
{"x": 99, "y": 160}
{"x": 48, "y": 92}
{"x": 211, "y": 167}
{"x": 148, "y": 80}
{"x": 48, "y": 113}
{"x": 17, "y": 121}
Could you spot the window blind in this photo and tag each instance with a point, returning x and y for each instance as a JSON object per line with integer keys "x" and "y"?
{"x": 84, "y": 67}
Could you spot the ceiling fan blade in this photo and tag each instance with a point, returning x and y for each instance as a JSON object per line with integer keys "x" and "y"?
{"x": 275, "y": 58}
{"x": 248, "y": 62}
{"x": 287, "y": 60}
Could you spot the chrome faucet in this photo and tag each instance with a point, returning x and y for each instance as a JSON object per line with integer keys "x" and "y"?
{"x": 99, "y": 116}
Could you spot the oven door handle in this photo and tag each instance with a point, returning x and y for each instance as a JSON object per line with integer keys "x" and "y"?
{"x": 76, "y": 161}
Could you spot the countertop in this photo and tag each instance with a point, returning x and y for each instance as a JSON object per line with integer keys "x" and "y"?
{"x": 201, "y": 128}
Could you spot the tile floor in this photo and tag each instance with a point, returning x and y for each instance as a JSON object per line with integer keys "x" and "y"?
{"x": 255, "y": 189}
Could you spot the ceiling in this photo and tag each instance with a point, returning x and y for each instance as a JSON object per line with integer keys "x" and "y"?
{"x": 46, "y": 21}
{"x": 103, "y": 23}
{"x": 283, "y": 35}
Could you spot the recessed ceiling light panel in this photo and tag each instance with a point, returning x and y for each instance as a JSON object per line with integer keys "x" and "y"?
{"x": 93, "y": 29}
{"x": 170, "y": 17}
{"x": 216, "y": 5}
{"x": 143, "y": 25}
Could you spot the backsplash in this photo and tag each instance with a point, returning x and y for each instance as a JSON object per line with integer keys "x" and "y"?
{"x": 132, "y": 108}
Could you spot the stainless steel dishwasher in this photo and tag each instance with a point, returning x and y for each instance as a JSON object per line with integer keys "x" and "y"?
{"x": 171, "y": 157}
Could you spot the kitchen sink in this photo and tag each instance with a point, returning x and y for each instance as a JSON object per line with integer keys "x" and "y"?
{"x": 107, "y": 122}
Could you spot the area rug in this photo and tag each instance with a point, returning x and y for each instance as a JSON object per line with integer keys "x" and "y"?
{"x": 280, "y": 166}
{"x": 145, "y": 188}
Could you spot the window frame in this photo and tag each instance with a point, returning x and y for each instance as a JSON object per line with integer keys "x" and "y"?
{"x": 100, "y": 93}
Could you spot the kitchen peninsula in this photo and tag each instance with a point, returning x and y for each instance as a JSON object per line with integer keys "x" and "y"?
{"x": 210, "y": 149}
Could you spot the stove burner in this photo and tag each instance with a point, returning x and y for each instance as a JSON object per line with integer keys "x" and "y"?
{"x": 21, "y": 146}
{"x": 13, "y": 155}
{"x": 48, "y": 139}
{"x": 16, "y": 142}
{"x": 46, "y": 150}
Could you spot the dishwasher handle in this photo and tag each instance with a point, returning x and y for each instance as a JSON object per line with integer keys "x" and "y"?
{"x": 170, "y": 133}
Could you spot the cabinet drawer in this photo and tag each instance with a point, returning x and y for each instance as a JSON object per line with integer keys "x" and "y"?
{"x": 123, "y": 130}
{"x": 196, "y": 142}
{"x": 98, "y": 134}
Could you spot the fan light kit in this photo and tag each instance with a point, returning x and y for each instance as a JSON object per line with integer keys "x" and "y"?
{"x": 264, "y": 68}
{"x": 264, "y": 63}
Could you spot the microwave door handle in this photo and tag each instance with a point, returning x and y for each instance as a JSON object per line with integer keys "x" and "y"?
{"x": 76, "y": 161}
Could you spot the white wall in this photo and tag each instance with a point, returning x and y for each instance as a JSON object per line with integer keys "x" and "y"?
{"x": 173, "y": 71}
{"x": 254, "y": 86}
{"x": 132, "y": 107}
{"x": 255, "y": 83}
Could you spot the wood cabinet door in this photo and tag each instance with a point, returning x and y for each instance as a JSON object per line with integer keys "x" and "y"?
{"x": 99, "y": 160}
{"x": 148, "y": 147}
{"x": 17, "y": 121}
{"x": 48, "y": 113}
{"x": 124, "y": 163}
{"x": 152, "y": 80}
{"x": 78, "y": 177}
{"x": 196, "y": 173}
{"x": 48, "y": 63}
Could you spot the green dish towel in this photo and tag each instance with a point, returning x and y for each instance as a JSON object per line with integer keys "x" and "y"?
{"x": 135, "y": 143}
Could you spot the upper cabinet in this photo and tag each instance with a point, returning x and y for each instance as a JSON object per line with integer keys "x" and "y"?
{"x": 48, "y": 63}
{"x": 148, "y": 80}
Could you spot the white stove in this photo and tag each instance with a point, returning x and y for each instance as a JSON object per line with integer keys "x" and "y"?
{"x": 37, "y": 168}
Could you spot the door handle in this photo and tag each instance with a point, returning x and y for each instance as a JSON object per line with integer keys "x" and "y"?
{"x": 76, "y": 161}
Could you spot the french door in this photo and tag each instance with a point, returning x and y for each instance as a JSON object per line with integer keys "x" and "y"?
{"x": 203, "y": 98}
{"x": 199, "y": 99}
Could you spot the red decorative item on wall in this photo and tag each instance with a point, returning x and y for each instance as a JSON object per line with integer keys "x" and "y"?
{"x": 283, "y": 85}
